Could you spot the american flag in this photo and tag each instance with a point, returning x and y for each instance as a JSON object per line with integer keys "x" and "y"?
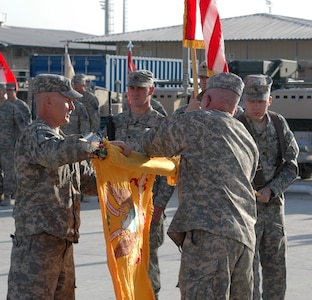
{"x": 202, "y": 29}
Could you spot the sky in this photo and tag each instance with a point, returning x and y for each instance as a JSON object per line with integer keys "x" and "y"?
{"x": 88, "y": 17}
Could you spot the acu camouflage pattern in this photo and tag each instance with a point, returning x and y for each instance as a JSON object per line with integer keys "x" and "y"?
{"x": 130, "y": 129}
{"x": 213, "y": 146}
{"x": 206, "y": 274}
{"x": 218, "y": 159}
{"x": 257, "y": 87}
{"x": 50, "y": 180}
{"x": 228, "y": 81}
{"x": 79, "y": 120}
{"x": 141, "y": 78}
{"x": 24, "y": 109}
{"x": 92, "y": 105}
{"x": 52, "y": 171}
{"x": 48, "y": 83}
{"x": 12, "y": 123}
{"x": 47, "y": 265}
{"x": 270, "y": 226}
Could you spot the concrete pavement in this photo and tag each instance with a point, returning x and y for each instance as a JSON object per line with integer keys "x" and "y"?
{"x": 92, "y": 276}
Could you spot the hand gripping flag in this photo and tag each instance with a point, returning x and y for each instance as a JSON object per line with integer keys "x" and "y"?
{"x": 125, "y": 196}
{"x": 202, "y": 29}
{"x": 6, "y": 74}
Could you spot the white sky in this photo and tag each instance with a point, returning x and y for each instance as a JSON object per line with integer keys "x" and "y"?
{"x": 88, "y": 17}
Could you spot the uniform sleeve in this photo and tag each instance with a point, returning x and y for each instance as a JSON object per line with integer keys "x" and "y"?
{"x": 168, "y": 139}
{"x": 289, "y": 171}
{"x": 52, "y": 151}
{"x": 162, "y": 192}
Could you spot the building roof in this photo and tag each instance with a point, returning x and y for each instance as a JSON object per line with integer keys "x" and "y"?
{"x": 35, "y": 37}
{"x": 250, "y": 27}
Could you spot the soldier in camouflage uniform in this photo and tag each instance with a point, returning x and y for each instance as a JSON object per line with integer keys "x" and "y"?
{"x": 89, "y": 101}
{"x": 22, "y": 105}
{"x": 12, "y": 123}
{"x": 79, "y": 120}
{"x": 270, "y": 228}
{"x": 51, "y": 173}
{"x": 130, "y": 126}
{"x": 214, "y": 223}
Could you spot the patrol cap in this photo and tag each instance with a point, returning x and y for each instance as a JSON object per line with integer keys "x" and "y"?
{"x": 11, "y": 86}
{"x": 257, "y": 87}
{"x": 48, "y": 83}
{"x": 202, "y": 69}
{"x": 79, "y": 78}
{"x": 142, "y": 78}
{"x": 2, "y": 86}
{"x": 228, "y": 81}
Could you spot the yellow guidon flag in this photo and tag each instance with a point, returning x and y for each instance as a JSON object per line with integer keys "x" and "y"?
{"x": 125, "y": 196}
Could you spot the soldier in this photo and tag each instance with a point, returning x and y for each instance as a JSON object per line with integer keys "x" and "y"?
{"x": 214, "y": 222}
{"x": 51, "y": 173}
{"x": 12, "y": 123}
{"x": 130, "y": 126}
{"x": 203, "y": 76}
{"x": 277, "y": 170}
{"x": 79, "y": 120}
{"x": 89, "y": 100}
{"x": 22, "y": 105}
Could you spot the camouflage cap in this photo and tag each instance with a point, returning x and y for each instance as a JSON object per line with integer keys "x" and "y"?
{"x": 202, "y": 69}
{"x": 79, "y": 78}
{"x": 228, "y": 81}
{"x": 48, "y": 83}
{"x": 2, "y": 86}
{"x": 257, "y": 87}
{"x": 142, "y": 78}
{"x": 11, "y": 86}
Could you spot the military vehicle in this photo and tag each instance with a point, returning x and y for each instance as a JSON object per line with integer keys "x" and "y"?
{"x": 295, "y": 105}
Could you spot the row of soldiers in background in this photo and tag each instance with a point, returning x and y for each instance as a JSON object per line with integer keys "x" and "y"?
{"x": 15, "y": 114}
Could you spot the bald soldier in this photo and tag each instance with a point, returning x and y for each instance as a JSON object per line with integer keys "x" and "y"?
{"x": 214, "y": 223}
{"x": 51, "y": 173}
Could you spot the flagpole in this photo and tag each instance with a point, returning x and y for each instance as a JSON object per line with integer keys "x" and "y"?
{"x": 194, "y": 69}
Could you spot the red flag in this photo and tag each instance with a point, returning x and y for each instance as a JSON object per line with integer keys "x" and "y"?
{"x": 202, "y": 29}
{"x": 6, "y": 74}
{"x": 131, "y": 67}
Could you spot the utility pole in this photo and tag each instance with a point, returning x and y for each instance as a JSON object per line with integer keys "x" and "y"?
{"x": 107, "y": 6}
{"x": 269, "y": 4}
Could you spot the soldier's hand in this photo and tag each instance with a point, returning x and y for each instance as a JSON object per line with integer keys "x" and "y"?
{"x": 193, "y": 104}
{"x": 126, "y": 149}
{"x": 264, "y": 195}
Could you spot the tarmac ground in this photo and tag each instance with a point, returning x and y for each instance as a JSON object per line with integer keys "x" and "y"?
{"x": 92, "y": 275}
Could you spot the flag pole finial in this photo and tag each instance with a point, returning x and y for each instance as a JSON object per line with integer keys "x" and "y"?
{"x": 130, "y": 46}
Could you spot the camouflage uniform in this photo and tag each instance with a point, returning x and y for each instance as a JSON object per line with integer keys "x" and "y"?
{"x": 12, "y": 123}
{"x": 154, "y": 103}
{"x": 24, "y": 108}
{"x": 79, "y": 120}
{"x": 51, "y": 173}
{"x": 217, "y": 211}
{"x": 91, "y": 103}
{"x": 130, "y": 129}
{"x": 47, "y": 210}
{"x": 270, "y": 227}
